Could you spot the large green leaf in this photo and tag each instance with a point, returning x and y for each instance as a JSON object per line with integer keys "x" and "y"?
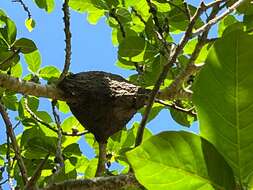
{"x": 180, "y": 161}
{"x": 223, "y": 96}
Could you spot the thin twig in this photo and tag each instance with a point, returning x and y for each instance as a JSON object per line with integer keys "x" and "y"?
{"x": 187, "y": 10}
{"x": 176, "y": 107}
{"x": 191, "y": 68}
{"x": 34, "y": 116}
{"x": 5, "y": 181}
{"x": 215, "y": 3}
{"x": 8, "y": 157}
{"x": 25, "y": 7}
{"x": 14, "y": 142}
{"x": 218, "y": 18}
{"x": 153, "y": 11}
{"x": 171, "y": 60}
{"x": 66, "y": 19}
{"x": 36, "y": 175}
{"x": 121, "y": 27}
{"x": 58, "y": 155}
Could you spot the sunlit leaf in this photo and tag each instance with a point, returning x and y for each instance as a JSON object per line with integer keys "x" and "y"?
{"x": 29, "y": 24}
{"x": 180, "y": 160}
{"x": 48, "y": 5}
{"x": 33, "y": 61}
{"x": 222, "y": 95}
{"x": 48, "y": 72}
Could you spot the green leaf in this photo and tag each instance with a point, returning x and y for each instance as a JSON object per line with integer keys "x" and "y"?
{"x": 25, "y": 45}
{"x": 224, "y": 23}
{"x": 91, "y": 168}
{"x": 33, "y": 61}
{"x": 36, "y": 144}
{"x": 49, "y": 72}
{"x": 94, "y": 16}
{"x": 29, "y": 24}
{"x": 71, "y": 122}
{"x": 16, "y": 71}
{"x": 2, "y": 162}
{"x": 72, "y": 149}
{"x": 124, "y": 140}
{"x": 48, "y": 5}
{"x": 69, "y": 125}
{"x": 182, "y": 118}
{"x": 8, "y": 59}
{"x": 63, "y": 106}
{"x": 223, "y": 98}
{"x": 180, "y": 160}
{"x": 3, "y": 45}
{"x": 9, "y": 31}
{"x": 33, "y": 103}
{"x": 123, "y": 15}
{"x": 11, "y": 102}
{"x": 245, "y": 8}
{"x": 80, "y": 5}
{"x": 43, "y": 115}
{"x": 131, "y": 46}
{"x": 190, "y": 46}
{"x": 82, "y": 164}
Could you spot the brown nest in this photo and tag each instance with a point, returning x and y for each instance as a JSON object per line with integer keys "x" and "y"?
{"x": 102, "y": 102}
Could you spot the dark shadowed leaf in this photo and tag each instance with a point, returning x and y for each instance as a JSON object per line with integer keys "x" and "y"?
{"x": 25, "y": 45}
{"x": 131, "y": 46}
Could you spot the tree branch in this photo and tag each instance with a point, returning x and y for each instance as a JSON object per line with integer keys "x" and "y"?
{"x": 121, "y": 27}
{"x": 34, "y": 116}
{"x": 191, "y": 68}
{"x": 31, "y": 88}
{"x": 217, "y": 19}
{"x": 32, "y": 182}
{"x": 100, "y": 183}
{"x": 66, "y": 19}
{"x": 58, "y": 154}
{"x": 14, "y": 142}
{"x": 101, "y": 159}
{"x": 171, "y": 60}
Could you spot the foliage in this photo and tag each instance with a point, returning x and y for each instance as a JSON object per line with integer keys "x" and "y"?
{"x": 146, "y": 35}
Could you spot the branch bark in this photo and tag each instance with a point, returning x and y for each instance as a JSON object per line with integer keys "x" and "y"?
{"x": 14, "y": 143}
{"x": 100, "y": 183}
{"x": 66, "y": 19}
{"x": 30, "y": 88}
{"x": 217, "y": 19}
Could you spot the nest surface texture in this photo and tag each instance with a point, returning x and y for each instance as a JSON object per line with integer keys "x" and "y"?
{"x": 102, "y": 102}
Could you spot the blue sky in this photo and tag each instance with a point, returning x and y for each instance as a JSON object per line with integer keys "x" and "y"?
{"x": 92, "y": 49}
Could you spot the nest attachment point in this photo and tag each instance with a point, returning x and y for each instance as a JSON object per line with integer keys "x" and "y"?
{"x": 102, "y": 102}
